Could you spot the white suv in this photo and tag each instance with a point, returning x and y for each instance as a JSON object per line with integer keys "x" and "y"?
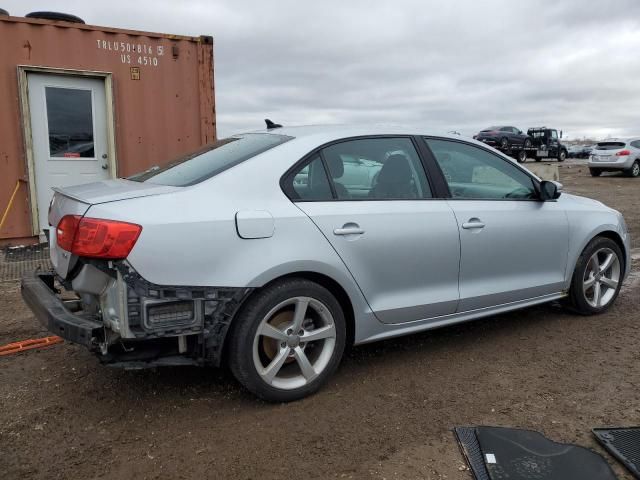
{"x": 616, "y": 155}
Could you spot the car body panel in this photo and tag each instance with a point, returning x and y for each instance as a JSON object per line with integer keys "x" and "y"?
{"x": 404, "y": 243}
{"x": 497, "y": 267}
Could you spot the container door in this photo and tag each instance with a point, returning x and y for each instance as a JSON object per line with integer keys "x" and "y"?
{"x": 68, "y": 132}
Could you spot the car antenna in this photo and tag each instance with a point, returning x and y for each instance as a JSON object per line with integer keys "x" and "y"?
{"x": 271, "y": 125}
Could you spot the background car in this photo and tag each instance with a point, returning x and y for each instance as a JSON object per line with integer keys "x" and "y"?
{"x": 622, "y": 155}
{"x": 504, "y": 137}
{"x": 272, "y": 251}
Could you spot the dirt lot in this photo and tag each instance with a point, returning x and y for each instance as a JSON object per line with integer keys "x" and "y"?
{"x": 387, "y": 413}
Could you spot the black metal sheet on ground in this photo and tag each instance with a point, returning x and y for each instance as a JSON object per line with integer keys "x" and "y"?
{"x": 624, "y": 444}
{"x": 497, "y": 453}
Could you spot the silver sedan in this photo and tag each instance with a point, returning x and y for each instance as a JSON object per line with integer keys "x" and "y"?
{"x": 271, "y": 251}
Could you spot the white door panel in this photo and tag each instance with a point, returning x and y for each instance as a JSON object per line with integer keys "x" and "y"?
{"x": 69, "y": 134}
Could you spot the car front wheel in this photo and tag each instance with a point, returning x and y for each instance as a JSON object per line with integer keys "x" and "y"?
{"x": 287, "y": 340}
{"x": 562, "y": 156}
{"x": 597, "y": 277}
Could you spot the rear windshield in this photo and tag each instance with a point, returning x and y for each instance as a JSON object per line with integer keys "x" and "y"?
{"x": 211, "y": 160}
{"x": 610, "y": 145}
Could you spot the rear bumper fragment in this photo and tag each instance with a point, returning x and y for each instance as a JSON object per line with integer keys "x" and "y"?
{"x": 39, "y": 294}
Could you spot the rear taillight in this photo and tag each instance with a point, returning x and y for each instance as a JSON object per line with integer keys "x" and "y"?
{"x": 97, "y": 238}
{"x": 66, "y": 231}
{"x": 623, "y": 153}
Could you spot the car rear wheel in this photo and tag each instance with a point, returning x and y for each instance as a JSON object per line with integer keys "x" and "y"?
{"x": 594, "y": 172}
{"x": 287, "y": 340}
{"x": 597, "y": 277}
{"x": 634, "y": 171}
{"x": 504, "y": 143}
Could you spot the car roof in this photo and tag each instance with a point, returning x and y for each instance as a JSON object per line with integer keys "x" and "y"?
{"x": 335, "y": 132}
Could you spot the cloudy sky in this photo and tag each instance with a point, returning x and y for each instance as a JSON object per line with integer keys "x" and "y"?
{"x": 462, "y": 65}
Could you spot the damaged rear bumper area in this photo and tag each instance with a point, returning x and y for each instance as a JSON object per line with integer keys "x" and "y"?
{"x": 128, "y": 322}
{"x": 39, "y": 295}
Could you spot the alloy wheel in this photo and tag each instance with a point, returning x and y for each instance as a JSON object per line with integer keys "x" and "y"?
{"x": 601, "y": 278}
{"x": 294, "y": 343}
{"x": 635, "y": 169}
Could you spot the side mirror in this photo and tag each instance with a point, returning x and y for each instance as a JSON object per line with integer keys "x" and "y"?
{"x": 550, "y": 190}
{"x": 560, "y": 133}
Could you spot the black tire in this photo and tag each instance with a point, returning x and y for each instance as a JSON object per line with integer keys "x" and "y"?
{"x": 577, "y": 300}
{"x": 504, "y": 143}
{"x": 527, "y": 143}
{"x": 634, "y": 171}
{"x": 522, "y": 156}
{"x": 245, "y": 326}
{"x": 538, "y": 159}
{"x": 595, "y": 172}
{"x": 56, "y": 16}
{"x": 562, "y": 156}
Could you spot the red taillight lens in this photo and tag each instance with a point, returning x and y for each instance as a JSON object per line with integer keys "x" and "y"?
{"x": 623, "y": 153}
{"x": 97, "y": 238}
{"x": 66, "y": 231}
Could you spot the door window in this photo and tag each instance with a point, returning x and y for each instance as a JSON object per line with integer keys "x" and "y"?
{"x": 554, "y": 134}
{"x": 474, "y": 173}
{"x": 70, "y": 122}
{"x": 310, "y": 182}
{"x": 376, "y": 169}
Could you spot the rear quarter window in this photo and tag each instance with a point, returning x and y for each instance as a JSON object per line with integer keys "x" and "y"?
{"x": 211, "y": 160}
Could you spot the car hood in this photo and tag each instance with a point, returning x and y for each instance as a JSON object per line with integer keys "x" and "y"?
{"x": 113, "y": 190}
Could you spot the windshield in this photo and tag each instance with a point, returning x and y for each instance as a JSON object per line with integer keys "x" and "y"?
{"x": 610, "y": 145}
{"x": 210, "y": 160}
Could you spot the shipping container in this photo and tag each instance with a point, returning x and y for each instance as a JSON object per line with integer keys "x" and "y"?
{"x": 82, "y": 103}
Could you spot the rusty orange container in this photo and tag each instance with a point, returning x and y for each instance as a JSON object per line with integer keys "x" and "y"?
{"x": 81, "y": 103}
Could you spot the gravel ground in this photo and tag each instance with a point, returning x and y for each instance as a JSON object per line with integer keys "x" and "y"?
{"x": 387, "y": 413}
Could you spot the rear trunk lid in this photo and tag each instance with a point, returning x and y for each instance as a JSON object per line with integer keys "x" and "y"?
{"x": 78, "y": 199}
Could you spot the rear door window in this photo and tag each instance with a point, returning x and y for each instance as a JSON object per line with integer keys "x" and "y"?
{"x": 376, "y": 169}
{"x": 610, "y": 145}
{"x": 211, "y": 160}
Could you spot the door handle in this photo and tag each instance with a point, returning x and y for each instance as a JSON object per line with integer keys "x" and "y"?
{"x": 349, "y": 229}
{"x": 105, "y": 167}
{"x": 473, "y": 223}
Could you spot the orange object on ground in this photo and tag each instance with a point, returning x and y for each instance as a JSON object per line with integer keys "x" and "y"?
{"x": 18, "y": 347}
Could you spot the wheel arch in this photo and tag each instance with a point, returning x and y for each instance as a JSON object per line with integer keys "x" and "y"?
{"x": 615, "y": 236}
{"x": 334, "y": 287}
{"x": 605, "y": 232}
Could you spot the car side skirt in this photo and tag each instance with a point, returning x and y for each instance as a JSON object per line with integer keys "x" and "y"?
{"x": 380, "y": 331}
